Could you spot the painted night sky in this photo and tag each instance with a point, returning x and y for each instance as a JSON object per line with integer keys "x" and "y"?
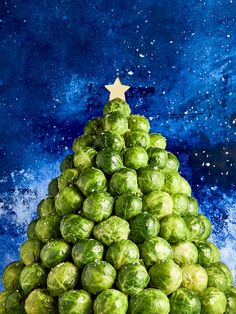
{"x": 56, "y": 57}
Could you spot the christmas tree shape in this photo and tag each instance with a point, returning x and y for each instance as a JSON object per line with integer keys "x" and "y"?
{"x": 119, "y": 231}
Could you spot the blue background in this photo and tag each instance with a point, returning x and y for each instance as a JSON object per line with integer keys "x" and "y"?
{"x": 56, "y": 56}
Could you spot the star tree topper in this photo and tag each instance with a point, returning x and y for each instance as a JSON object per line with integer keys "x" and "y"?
{"x": 117, "y": 90}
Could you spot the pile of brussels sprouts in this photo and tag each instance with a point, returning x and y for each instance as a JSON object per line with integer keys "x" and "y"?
{"x": 118, "y": 233}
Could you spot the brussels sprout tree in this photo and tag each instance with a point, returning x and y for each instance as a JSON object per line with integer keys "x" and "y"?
{"x": 119, "y": 231}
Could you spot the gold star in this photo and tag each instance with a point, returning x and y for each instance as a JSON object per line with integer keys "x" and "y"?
{"x": 117, "y": 90}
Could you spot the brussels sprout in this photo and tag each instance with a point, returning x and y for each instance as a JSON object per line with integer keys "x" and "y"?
{"x": 184, "y": 301}
{"x": 157, "y": 157}
{"x": 67, "y": 163}
{"x": 213, "y": 301}
{"x": 39, "y": 301}
{"x": 198, "y": 226}
{"x": 116, "y": 122}
{"x": 98, "y": 276}
{"x": 128, "y": 205}
{"x": 117, "y": 104}
{"x": 135, "y": 157}
{"x": 192, "y": 206}
{"x": 109, "y": 139}
{"x": 86, "y": 140}
{"x": 132, "y": 279}
{"x": 92, "y": 180}
{"x": 157, "y": 203}
{"x": 111, "y": 301}
{"x": 217, "y": 278}
{"x": 166, "y": 276}
{"x": 53, "y": 187}
{"x": 172, "y": 182}
{"x": 156, "y": 250}
{"x": 94, "y": 126}
{"x": 109, "y": 160}
{"x": 185, "y": 188}
{"x": 46, "y": 207}
{"x": 137, "y": 122}
{"x": 54, "y": 252}
{"x": 87, "y": 251}
{"x": 111, "y": 230}
{"x": 231, "y": 301}
{"x": 137, "y": 138}
{"x": 84, "y": 158}
{"x": 150, "y": 179}
{"x": 48, "y": 228}
{"x": 207, "y": 227}
{"x": 157, "y": 140}
{"x": 14, "y": 303}
{"x": 68, "y": 201}
{"x": 121, "y": 253}
{"x": 123, "y": 181}
{"x": 3, "y": 297}
{"x": 227, "y": 272}
{"x": 61, "y": 278}
{"x": 75, "y": 301}
{"x": 32, "y": 276}
{"x": 74, "y": 227}
{"x": 98, "y": 206}
{"x": 208, "y": 253}
{"x": 194, "y": 277}
{"x": 172, "y": 163}
{"x": 173, "y": 229}
{"x": 143, "y": 227}
{"x": 185, "y": 253}
{"x": 68, "y": 177}
{"x": 30, "y": 251}
{"x": 31, "y": 230}
{"x": 11, "y": 274}
{"x": 180, "y": 204}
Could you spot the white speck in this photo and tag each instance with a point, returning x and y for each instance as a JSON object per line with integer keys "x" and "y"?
{"x": 130, "y": 72}
{"x": 171, "y": 41}
{"x": 141, "y": 55}
{"x": 228, "y": 35}
{"x": 208, "y": 164}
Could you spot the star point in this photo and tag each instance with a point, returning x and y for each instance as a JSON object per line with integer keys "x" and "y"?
{"x": 117, "y": 90}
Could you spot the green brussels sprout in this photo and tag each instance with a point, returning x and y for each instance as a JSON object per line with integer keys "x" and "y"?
{"x": 61, "y": 278}
{"x": 173, "y": 229}
{"x": 84, "y": 158}
{"x": 14, "y": 303}
{"x": 137, "y": 122}
{"x": 123, "y": 181}
{"x": 172, "y": 182}
{"x": 109, "y": 139}
{"x": 213, "y": 301}
{"x": 143, "y": 227}
{"x": 166, "y": 276}
{"x": 227, "y": 272}
{"x": 48, "y": 228}
{"x": 137, "y": 138}
{"x": 121, "y": 253}
{"x": 207, "y": 227}
{"x": 98, "y": 276}
{"x": 128, "y": 205}
{"x": 157, "y": 140}
{"x": 158, "y": 203}
{"x": 150, "y": 179}
{"x": 55, "y": 252}
{"x": 194, "y": 277}
{"x": 53, "y": 187}
{"x": 180, "y": 204}
{"x": 156, "y": 250}
{"x": 92, "y": 180}
{"x": 40, "y": 301}
{"x": 116, "y": 122}
{"x": 3, "y": 297}
{"x": 32, "y": 276}
{"x": 217, "y": 278}
{"x": 98, "y": 206}
{"x": 172, "y": 163}
{"x": 82, "y": 141}
{"x": 208, "y": 253}
{"x": 67, "y": 163}
{"x": 30, "y": 251}
{"x": 74, "y": 227}
{"x": 11, "y": 275}
{"x": 185, "y": 253}
{"x": 68, "y": 177}
{"x": 31, "y": 230}
{"x": 111, "y": 301}
{"x": 157, "y": 157}
{"x": 185, "y": 301}
{"x": 46, "y": 207}
{"x": 231, "y": 301}
{"x": 68, "y": 201}
{"x": 75, "y": 301}
{"x": 117, "y": 104}
{"x": 185, "y": 188}
{"x": 111, "y": 230}
{"x": 132, "y": 278}
{"x": 94, "y": 126}
{"x": 135, "y": 157}
{"x": 198, "y": 226}
{"x": 109, "y": 160}
{"x": 192, "y": 206}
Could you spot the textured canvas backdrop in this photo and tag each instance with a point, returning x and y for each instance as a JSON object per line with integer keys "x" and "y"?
{"x": 56, "y": 56}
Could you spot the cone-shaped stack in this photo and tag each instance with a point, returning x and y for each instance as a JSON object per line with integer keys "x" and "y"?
{"x": 118, "y": 233}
